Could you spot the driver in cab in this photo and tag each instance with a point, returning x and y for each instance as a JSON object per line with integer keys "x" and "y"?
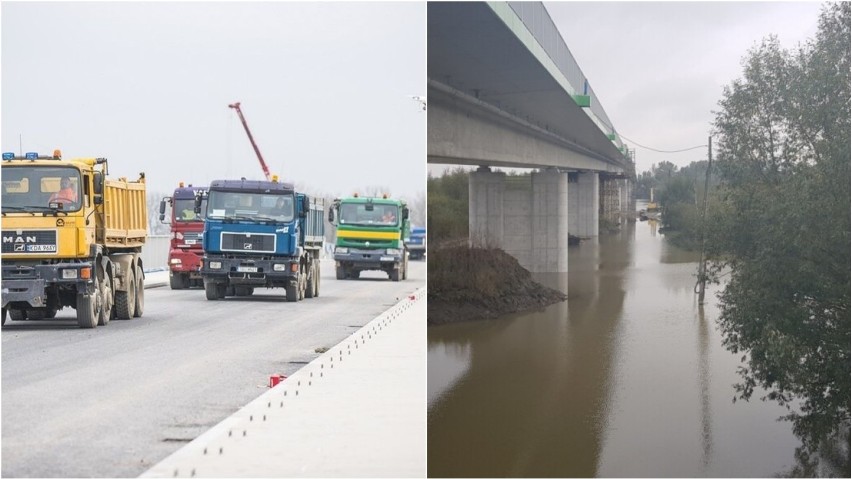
{"x": 67, "y": 194}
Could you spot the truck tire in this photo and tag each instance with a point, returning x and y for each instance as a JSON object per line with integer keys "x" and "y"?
{"x": 394, "y": 275}
{"x": 341, "y": 272}
{"x": 317, "y": 282}
{"x": 303, "y": 285}
{"x": 107, "y": 302}
{"x": 292, "y": 290}
{"x": 17, "y": 314}
{"x": 178, "y": 281}
{"x": 41, "y": 313}
{"x": 87, "y": 309}
{"x": 50, "y": 313}
{"x": 310, "y": 289}
{"x": 140, "y": 293}
{"x": 4, "y": 315}
{"x": 125, "y": 301}
{"x": 242, "y": 291}
{"x": 211, "y": 291}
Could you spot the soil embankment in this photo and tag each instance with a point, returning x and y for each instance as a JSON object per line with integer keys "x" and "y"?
{"x": 481, "y": 283}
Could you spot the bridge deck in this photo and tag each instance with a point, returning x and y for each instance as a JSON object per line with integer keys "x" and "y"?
{"x": 358, "y": 410}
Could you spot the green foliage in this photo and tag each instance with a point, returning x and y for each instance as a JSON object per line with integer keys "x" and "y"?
{"x": 783, "y": 226}
{"x": 447, "y": 205}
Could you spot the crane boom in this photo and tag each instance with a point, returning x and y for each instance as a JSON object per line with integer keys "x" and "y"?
{"x": 236, "y": 106}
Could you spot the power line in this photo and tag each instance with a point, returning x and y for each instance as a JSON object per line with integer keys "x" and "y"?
{"x": 661, "y": 151}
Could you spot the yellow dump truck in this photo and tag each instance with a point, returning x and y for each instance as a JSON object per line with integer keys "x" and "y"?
{"x": 71, "y": 237}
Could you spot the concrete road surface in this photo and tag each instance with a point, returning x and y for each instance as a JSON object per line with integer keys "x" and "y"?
{"x": 115, "y": 400}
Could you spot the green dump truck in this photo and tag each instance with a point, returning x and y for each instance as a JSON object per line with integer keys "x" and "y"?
{"x": 370, "y": 236}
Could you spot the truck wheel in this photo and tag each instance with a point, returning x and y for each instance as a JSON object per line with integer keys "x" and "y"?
{"x": 317, "y": 282}
{"x": 140, "y": 293}
{"x": 4, "y": 315}
{"x": 87, "y": 309}
{"x": 341, "y": 272}
{"x": 17, "y": 314}
{"x": 125, "y": 301}
{"x": 106, "y": 302}
{"x": 394, "y": 275}
{"x": 178, "y": 281}
{"x": 292, "y": 290}
{"x": 211, "y": 290}
{"x": 50, "y": 313}
{"x": 311, "y": 287}
{"x": 229, "y": 291}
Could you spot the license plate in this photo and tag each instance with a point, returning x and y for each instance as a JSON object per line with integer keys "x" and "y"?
{"x": 42, "y": 247}
{"x": 387, "y": 258}
{"x": 247, "y": 269}
{"x": 190, "y": 241}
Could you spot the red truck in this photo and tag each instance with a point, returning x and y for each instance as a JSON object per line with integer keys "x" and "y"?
{"x": 187, "y": 226}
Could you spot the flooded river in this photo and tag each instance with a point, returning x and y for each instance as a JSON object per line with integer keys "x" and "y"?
{"x": 626, "y": 378}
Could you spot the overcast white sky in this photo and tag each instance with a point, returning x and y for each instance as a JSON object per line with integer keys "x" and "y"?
{"x": 659, "y": 67}
{"x": 324, "y": 86}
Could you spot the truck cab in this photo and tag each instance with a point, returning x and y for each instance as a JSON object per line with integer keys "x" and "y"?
{"x": 370, "y": 236}
{"x": 260, "y": 234}
{"x": 187, "y": 228}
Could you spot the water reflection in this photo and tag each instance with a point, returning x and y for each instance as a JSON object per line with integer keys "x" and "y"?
{"x": 626, "y": 378}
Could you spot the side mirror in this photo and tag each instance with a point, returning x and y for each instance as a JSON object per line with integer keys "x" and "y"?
{"x": 305, "y": 206}
{"x": 331, "y": 214}
{"x": 405, "y": 213}
{"x": 198, "y": 204}
{"x": 99, "y": 183}
{"x": 99, "y": 200}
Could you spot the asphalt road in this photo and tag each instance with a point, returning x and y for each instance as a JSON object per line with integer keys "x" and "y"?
{"x": 115, "y": 400}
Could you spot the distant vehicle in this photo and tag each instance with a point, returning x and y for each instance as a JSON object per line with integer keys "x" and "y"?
{"x": 416, "y": 242}
{"x": 652, "y": 205}
{"x": 187, "y": 226}
{"x": 370, "y": 233}
{"x": 71, "y": 237}
{"x": 260, "y": 234}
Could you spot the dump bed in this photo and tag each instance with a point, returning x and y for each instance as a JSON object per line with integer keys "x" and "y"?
{"x": 125, "y": 220}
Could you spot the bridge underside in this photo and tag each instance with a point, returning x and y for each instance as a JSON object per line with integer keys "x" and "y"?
{"x": 465, "y": 131}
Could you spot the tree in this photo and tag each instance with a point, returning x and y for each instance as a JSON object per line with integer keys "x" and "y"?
{"x": 783, "y": 227}
{"x": 447, "y": 198}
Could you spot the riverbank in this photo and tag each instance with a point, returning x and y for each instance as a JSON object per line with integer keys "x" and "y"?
{"x": 468, "y": 284}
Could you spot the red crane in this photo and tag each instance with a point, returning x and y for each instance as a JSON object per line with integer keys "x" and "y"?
{"x": 236, "y": 106}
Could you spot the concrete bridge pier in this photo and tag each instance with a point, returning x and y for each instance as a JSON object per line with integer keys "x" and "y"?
{"x": 525, "y": 216}
{"x": 610, "y": 200}
{"x": 583, "y": 204}
{"x": 550, "y": 222}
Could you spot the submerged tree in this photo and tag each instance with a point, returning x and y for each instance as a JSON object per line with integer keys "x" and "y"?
{"x": 784, "y": 227}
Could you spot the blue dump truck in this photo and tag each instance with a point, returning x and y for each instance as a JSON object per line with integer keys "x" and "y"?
{"x": 261, "y": 234}
{"x": 416, "y": 242}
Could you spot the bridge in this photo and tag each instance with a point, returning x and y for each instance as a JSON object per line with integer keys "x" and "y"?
{"x": 505, "y": 91}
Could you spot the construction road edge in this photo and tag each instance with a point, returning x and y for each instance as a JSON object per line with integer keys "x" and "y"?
{"x": 357, "y": 410}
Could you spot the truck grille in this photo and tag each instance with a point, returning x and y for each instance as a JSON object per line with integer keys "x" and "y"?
{"x": 262, "y": 243}
{"x": 29, "y": 241}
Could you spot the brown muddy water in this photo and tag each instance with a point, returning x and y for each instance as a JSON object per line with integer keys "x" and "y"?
{"x": 626, "y": 378}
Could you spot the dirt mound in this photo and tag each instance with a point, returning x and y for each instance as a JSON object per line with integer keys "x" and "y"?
{"x": 481, "y": 283}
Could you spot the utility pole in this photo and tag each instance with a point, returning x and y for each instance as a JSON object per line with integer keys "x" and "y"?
{"x": 702, "y": 265}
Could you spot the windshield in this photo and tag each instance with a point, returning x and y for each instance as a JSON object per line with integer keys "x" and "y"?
{"x": 185, "y": 210}
{"x": 250, "y": 206}
{"x": 368, "y": 214}
{"x": 40, "y": 188}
